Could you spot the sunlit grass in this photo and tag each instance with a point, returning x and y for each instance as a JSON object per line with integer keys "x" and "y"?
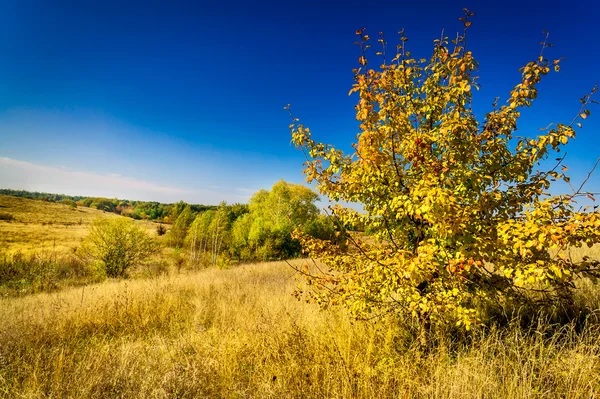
{"x": 41, "y": 226}
{"x": 239, "y": 333}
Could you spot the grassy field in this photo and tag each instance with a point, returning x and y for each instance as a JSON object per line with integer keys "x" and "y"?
{"x": 38, "y": 243}
{"x": 41, "y": 226}
{"x": 238, "y": 333}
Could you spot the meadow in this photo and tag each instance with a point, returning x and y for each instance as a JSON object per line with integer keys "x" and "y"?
{"x": 239, "y": 333}
{"x": 31, "y": 225}
{"x": 38, "y": 243}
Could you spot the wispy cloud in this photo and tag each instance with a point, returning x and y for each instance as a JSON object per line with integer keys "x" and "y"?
{"x": 25, "y": 175}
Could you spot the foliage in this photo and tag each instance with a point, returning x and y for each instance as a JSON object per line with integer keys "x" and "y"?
{"x": 118, "y": 244}
{"x": 37, "y": 195}
{"x": 104, "y": 204}
{"x": 208, "y": 235}
{"x": 183, "y": 217}
{"x": 459, "y": 208}
{"x": 265, "y": 232}
{"x": 161, "y": 230}
{"x": 258, "y": 231}
{"x": 72, "y": 204}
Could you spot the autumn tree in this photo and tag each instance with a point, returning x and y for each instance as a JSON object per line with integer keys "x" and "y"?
{"x": 459, "y": 207}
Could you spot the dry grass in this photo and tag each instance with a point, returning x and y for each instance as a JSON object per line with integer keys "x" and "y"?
{"x": 40, "y": 226}
{"x": 238, "y": 333}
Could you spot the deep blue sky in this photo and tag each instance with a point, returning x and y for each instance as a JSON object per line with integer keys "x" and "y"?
{"x": 168, "y": 100}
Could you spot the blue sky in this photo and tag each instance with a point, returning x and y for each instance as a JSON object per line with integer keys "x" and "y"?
{"x": 184, "y": 100}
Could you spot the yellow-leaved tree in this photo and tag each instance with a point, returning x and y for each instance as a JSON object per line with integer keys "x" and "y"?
{"x": 458, "y": 208}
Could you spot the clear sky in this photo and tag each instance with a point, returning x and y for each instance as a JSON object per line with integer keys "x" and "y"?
{"x": 184, "y": 100}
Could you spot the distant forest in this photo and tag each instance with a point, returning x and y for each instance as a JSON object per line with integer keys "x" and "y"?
{"x": 134, "y": 209}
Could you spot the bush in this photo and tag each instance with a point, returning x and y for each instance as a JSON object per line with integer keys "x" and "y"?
{"x": 458, "y": 208}
{"x": 6, "y": 216}
{"x": 117, "y": 244}
{"x": 72, "y": 204}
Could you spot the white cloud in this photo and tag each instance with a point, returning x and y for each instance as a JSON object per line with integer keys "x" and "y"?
{"x": 25, "y": 175}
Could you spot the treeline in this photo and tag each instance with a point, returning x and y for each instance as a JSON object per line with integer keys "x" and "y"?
{"x": 149, "y": 210}
{"x": 43, "y": 196}
{"x": 261, "y": 230}
{"x": 215, "y": 235}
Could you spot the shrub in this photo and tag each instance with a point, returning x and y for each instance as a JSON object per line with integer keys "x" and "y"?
{"x": 459, "y": 212}
{"x": 6, "y": 216}
{"x": 117, "y": 244}
{"x": 70, "y": 203}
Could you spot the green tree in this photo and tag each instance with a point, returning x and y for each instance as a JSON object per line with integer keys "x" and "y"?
{"x": 118, "y": 244}
{"x": 273, "y": 215}
{"x": 241, "y": 246}
{"x": 179, "y": 231}
{"x": 72, "y": 204}
{"x": 176, "y": 210}
{"x": 198, "y": 236}
{"x": 218, "y": 232}
{"x": 103, "y": 204}
{"x": 209, "y": 234}
{"x": 459, "y": 208}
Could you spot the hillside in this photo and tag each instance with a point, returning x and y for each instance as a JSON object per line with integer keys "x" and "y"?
{"x": 30, "y": 225}
{"x": 148, "y": 210}
{"x": 238, "y": 333}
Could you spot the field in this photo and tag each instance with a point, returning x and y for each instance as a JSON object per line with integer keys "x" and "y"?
{"x": 40, "y": 226}
{"x": 239, "y": 333}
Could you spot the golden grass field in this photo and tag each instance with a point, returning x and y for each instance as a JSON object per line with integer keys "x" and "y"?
{"x": 239, "y": 333}
{"x": 41, "y": 226}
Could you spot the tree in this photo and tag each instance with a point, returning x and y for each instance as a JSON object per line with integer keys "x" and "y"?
{"x": 459, "y": 208}
{"x": 118, "y": 244}
{"x": 103, "y": 204}
{"x": 218, "y": 230}
{"x": 72, "y": 204}
{"x": 209, "y": 233}
{"x": 274, "y": 214}
{"x": 177, "y": 209}
{"x": 198, "y": 237}
{"x": 285, "y": 206}
{"x": 183, "y": 220}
